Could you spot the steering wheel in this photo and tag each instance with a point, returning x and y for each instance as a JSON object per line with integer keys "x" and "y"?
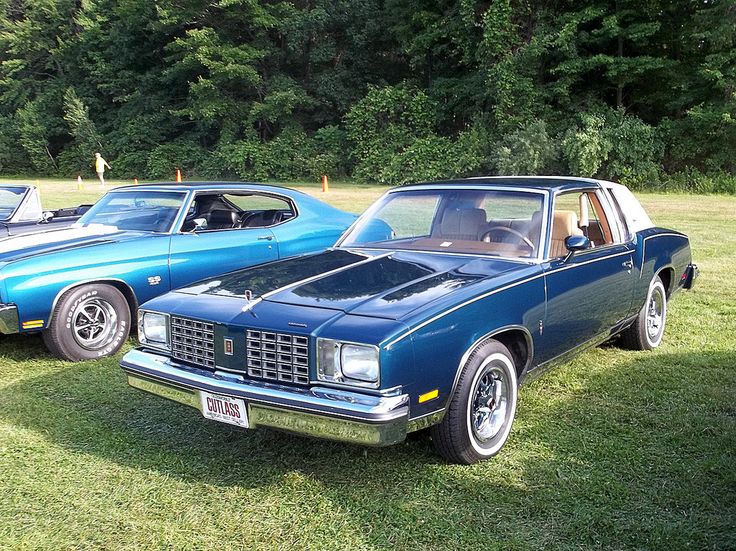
{"x": 522, "y": 238}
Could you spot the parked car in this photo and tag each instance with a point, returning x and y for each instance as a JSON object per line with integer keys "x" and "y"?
{"x": 81, "y": 286}
{"x": 21, "y": 212}
{"x": 429, "y": 312}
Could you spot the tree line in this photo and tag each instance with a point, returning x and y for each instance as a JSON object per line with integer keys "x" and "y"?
{"x": 378, "y": 90}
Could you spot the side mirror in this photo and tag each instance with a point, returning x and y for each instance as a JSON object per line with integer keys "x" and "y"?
{"x": 575, "y": 243}
{"x": 199, "y": 224}
{"x": 46, "y": 217}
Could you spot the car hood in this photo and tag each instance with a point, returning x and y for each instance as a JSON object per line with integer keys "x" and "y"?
{"x": 369, "y": 283}
{"x": 29, "y": 245}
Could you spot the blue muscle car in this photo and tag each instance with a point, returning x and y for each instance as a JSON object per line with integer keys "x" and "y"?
{"x": 82, "y": 285}
{"x": 429, "y": 312}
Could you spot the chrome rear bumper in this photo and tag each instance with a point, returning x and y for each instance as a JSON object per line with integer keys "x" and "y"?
{"x": 318, "y": 411}
{"x": 690, "y": 275}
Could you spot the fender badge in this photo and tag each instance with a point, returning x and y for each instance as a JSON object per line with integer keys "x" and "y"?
{"x": 228, "y": 346}
{"x": 154, "y": 280}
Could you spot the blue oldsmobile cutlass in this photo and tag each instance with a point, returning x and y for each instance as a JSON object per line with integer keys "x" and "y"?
{"x": 429, "y": 312}
{"x": 81, "y": 286}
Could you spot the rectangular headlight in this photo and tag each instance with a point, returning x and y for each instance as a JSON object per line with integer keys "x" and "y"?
{"x": 347, "y": 363}
{"x": 153, "y": 329}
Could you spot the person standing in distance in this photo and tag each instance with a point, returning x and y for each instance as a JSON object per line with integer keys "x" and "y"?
{"x": 100, "y": 165}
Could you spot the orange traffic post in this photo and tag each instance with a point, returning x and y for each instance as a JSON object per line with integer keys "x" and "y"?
{"x": 178, "y": 175}
{"x": 325, "y": 184}
{"x": 80, "y": 184}
{"x": 135, "y": 181}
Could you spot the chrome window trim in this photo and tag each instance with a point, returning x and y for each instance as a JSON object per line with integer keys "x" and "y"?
{"x": 538, "y": 258}
{"x": 248, "y": 191}
{"x": 611, "y": 217}
{"x": 627, "y": 235}
{"x": 615, "y": 228}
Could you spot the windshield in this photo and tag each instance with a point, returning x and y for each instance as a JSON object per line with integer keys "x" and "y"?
{"x": 493, "y": 222}
{"x": 153, "y": 211}
{"x": 10, "y": 198}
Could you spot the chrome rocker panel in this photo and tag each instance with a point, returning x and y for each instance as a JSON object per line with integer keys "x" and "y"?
{"x": 318, "y": 411}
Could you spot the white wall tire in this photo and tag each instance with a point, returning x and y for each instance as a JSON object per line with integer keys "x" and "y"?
{"x": 647, "y": 330}
{"x": 481, "y": 411}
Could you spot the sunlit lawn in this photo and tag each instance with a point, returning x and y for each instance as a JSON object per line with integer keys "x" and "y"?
{"x": 616, "y": 450}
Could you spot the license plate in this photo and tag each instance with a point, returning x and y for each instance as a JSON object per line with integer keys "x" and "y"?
{"x": 224, "y": 409}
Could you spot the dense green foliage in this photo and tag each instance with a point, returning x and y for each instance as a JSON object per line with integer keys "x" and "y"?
{"x": 381, "y": 90}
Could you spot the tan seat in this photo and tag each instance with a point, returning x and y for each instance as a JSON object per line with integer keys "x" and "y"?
{"x": 564, "y": 224}
{"x": 462, "y": 224}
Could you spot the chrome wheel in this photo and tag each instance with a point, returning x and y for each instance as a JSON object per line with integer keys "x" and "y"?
{"x": 490, "y": 404}
{"x": 656, "y": 310}
{"x": 94, "y": 323}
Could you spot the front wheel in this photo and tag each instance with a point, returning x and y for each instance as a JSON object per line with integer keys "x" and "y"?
{"x": 648, "y": 329}
{"x": 481, "y": 411}
{"x": 90, "y": 321}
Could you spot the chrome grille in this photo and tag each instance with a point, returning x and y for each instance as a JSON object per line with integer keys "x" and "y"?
{"x": 277, "y": 356}
{"x": 193, "y": 341}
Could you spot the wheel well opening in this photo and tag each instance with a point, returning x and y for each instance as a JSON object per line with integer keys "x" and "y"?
{"x": 129, "y": 297}
{"x": 666, "y": 276}
{"x": 517, "y": 343}
{"x": 127, "y": 292}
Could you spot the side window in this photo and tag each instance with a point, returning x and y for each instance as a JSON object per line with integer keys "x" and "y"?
{"x": 579, "y": 213}
{"x": 623, "y": 226}
{"x": 228, "y": 211}
{"x": 261, "y": 211}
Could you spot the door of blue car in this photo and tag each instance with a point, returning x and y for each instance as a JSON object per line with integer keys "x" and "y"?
{"x": 591, "y": 291}
{"x": 223, "y": 232}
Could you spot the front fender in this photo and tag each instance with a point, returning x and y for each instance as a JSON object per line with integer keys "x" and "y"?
{"x": 442, "y": 343}
{"x": 36, "y": 284}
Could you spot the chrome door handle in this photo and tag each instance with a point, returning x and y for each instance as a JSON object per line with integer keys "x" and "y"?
{"x": 628, "y": 264}
{"x": 265, "y": 237}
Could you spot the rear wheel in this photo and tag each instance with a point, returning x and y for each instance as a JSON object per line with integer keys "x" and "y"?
{"x": 480, "y": 414}
{"x": 90, "y": 321}
{"x": 648, "y": 328}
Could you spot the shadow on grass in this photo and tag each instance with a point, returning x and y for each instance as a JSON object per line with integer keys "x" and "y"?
{"x": 639, "y": 454}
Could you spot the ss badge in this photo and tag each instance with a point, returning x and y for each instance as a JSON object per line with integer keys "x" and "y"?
{"x": 228, "y": 346}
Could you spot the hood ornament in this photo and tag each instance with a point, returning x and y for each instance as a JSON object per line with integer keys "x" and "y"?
{"x": 248, "y": 294}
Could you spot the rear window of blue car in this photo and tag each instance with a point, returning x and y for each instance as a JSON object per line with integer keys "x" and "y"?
{"x": 153, "y": 211}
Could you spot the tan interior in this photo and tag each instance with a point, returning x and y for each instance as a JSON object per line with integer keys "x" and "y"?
{"x": 564, "y": 224}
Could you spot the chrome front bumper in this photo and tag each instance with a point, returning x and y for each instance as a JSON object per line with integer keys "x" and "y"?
{"x": 9, "y": 319}
{"x": 317, "y": 411}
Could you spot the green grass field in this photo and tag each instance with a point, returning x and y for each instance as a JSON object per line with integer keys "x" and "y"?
{"x": 616, "y": 450}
